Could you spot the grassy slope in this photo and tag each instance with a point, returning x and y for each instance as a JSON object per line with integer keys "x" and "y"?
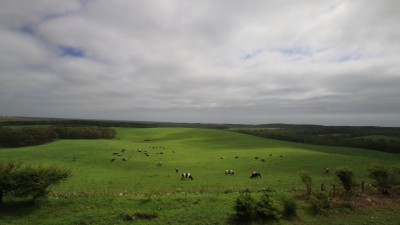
{"x": 198, "y": 151}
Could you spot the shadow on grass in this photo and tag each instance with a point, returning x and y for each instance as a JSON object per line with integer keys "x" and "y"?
{"x": 17, "y": 208}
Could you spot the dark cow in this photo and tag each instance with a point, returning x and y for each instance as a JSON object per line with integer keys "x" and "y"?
{"x": 112, "y": 160}
{"x": 115, "y": 153}
{"x": 229, "y": 172}
{"x": 186, "y": 176}
{"x": 255, "y": 174}
{"x": 326, "y": 170}
{"x": 177, "y": 170}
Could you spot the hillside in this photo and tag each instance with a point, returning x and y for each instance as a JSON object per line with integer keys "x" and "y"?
{"x": 102, "y": 191}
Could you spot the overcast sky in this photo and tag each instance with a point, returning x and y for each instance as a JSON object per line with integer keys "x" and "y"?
{"x": 229, "y": 61}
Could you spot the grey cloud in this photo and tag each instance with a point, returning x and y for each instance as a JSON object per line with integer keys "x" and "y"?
{"x": 327, "y": 62}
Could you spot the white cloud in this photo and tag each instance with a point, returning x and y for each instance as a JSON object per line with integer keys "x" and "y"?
{"x": 209, "y": 61}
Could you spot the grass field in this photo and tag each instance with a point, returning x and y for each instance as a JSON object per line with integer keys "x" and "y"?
{"x": 100, "y": 191}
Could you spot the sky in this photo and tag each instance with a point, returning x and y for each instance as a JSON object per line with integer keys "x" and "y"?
{"x": 334, "y": 62}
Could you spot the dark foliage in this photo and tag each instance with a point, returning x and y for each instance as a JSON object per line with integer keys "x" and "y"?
{"x": 267, "y": 209}
{"x": 320, "y": 203}
{"x": 28, "y": 181}
{"x": 289, "y": 207}
{"x": 346, "y": 177}
{"x": 28, "y": 136}
{"x": 244, "y": 207}
{"x": 107, "y": 123}
{"x": 331, "y": 135}
{"x": 307, "y": 180}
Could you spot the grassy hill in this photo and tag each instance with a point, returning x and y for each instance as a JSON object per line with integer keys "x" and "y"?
{"x": 111, "y": 189}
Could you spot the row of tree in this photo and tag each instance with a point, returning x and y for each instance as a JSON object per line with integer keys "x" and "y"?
{"x": 28, "y": 136}
{"x": 349, "y": 139}
{"x": 108, "y": 123}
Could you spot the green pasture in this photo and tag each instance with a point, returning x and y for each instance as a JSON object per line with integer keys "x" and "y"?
{"x": 205, "y": 153}
{"x": 103, "y": 192}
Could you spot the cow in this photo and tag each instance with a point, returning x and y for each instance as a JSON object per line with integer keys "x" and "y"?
{"x": 255, "y": 174}
{"x": 115, "y": 153}
{"x": 112, "y": 160}
{"x": 186, "y": 176}
{"x": 229, "y": 172}
{"x": 159, "y": 164}
{"x": 326, "y": 170}
{"x": 177, "y": 170}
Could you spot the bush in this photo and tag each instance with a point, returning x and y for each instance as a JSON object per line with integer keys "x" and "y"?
{"x": 346, "y": 177}
{"x": 28, "y": 181}
{"x": 382, "y": 177}
{"x": 320, "y": 203}
{"x": 244, "y": 207}
{"x": 267, "y": 209}
{"x": 289, "y": 207}
{"x": 306, "y": 179}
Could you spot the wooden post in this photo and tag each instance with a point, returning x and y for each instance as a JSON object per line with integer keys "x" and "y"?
{"x": 322, "y": 187}
{"x": 362, "y": 186}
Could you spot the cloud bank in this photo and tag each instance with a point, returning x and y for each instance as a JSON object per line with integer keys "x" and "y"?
{"x": 326, "y": 62}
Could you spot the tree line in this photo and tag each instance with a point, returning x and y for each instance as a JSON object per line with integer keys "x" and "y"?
{"x": 28, "y": 136}
{"x": 334, "y": 136}
{"x": 109, "y": 123}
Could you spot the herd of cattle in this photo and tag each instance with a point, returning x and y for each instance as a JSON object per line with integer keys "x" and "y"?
{"x": 184, "y": 176}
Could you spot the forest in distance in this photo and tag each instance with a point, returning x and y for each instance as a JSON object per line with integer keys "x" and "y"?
{"x": 386, "y": 139}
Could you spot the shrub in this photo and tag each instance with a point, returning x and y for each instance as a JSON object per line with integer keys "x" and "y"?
{"x": 320, "y": 203}
{"x": 382, "y": 177}
{"x": 266, "y": 208}
{"x": 289, "y": 207}
{"x": 306, "y": 179}
{"x": 244, "y": 207}
{"x": 28, "y": 181}
{"x": 346, "y": 177}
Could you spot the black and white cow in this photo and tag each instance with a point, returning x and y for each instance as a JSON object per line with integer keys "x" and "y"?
{"x": 255, "y": 174}
{"x": 186, "y": 176}
{"x": 229, "y": 172}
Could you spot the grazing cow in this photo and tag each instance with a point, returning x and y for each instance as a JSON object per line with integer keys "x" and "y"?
{"x": 270, "y": 155}
{"x": 177, "y": 170}
{"x": 123, "y": 159}
{"x": 222, "y": 157}
{"x": 186, "y": 176}
{"x": 262, "y": 160}
{"x": 255, "y": 174}
{"x": 112, "y": 160}
{"x": 326, "y": 170}
{"x": 159, "y": 164}
{"x": 229, "y": 172}
{"x": 256, "y": 157}
{"x": 115, "y": 153}
{"x": 236, "y": 157}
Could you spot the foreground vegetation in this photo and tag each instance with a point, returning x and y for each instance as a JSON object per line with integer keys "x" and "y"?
{"x": 140, "y": 190}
